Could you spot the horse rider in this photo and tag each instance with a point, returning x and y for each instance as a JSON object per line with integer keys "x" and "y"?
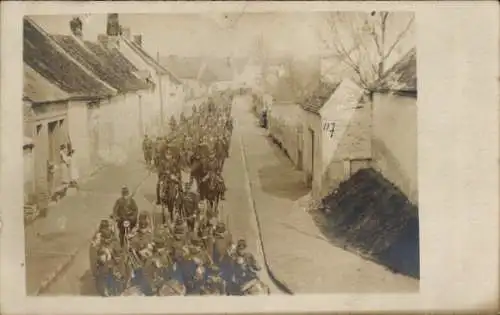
{"x": 167, "y": 170}
{"x": 125, "y": 209}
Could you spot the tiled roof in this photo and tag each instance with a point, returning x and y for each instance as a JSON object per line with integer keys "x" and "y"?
{"x": 402, "y": 76}
{"x": 53, "y": 63}
{"x": 104, "y": 68}
{"x": 38, "y": 89}
{"x": 115, "y": 60}
{"x": 317, "y": 99}
{"x": 150, "y": 60}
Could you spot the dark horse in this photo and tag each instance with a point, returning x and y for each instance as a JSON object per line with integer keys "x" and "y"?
{"x": 170, "y": 196}
{"x": 211, "y": 189}
{"x": 197, "y": 169}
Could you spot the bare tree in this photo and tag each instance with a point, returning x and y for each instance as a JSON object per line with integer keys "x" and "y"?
{"x": 366, "y": 41}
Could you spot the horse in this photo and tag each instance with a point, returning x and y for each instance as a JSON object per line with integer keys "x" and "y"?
{"x": 197, "y": 170}
{"x": 211, "y": 190}
{"x": 170, "y": 196}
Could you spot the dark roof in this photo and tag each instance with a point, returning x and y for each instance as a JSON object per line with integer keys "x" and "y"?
{"x": 43, "y": 56}
{"x": 150, "y": 60}
{"x": 38, "y": 89}
{"x": 402, "y": 76}
{"x": 317, "y": 99}
{"x": 120, "y": 64}
{"x": 107, "y": 70}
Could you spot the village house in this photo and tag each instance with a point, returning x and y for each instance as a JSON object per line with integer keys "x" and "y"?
{"x": 167, "y": 96}
{"x": 345, "y": 136}
{"x": 345, "y": 128}
{"x": 312, "y": 133}
{"x": 366, "y": 129}
{"x": 60, "y": 101}
{"x": 106, "y": 62}
{"x": 394, "y": 131}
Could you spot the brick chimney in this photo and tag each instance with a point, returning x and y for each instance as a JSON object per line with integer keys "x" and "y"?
{"x": 76, "y": 27}
{"x": 138, "y": 40}
{"x": 113, "y": 26}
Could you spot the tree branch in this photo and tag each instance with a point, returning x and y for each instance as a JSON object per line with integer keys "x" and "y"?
{"x": 399, "y": 37}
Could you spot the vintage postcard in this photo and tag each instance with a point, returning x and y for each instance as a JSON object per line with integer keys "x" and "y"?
{"x": 241, "y": 156}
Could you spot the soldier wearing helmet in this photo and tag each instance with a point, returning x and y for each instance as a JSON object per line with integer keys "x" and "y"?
{"x": 222, "y": 242}
{"x": 142, "y": 239}
{"x": 125, "y": 210}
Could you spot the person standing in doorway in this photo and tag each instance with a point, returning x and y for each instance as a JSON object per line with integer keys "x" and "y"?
{"x": 63, "y": 154}
{"x": 73, "y": 168}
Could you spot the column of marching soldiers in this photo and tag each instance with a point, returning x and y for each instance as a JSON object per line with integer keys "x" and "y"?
{"x": 190, "y": 250}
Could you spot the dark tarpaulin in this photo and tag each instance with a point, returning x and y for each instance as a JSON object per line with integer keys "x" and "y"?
{"x": 369, "y": 214}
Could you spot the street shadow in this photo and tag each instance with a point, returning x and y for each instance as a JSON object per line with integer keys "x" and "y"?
{"x": 52, "y": 236}
{"x": 281, "y": 179}
{"x": 87, "y": 284}
{"x": 150, "y": 197}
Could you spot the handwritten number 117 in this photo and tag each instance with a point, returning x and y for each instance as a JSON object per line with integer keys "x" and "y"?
{"x": 329, "y": 127}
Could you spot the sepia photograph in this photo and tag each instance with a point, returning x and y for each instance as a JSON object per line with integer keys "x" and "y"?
{"x": 211, "y": 154}
{"x": 229, "y": 157}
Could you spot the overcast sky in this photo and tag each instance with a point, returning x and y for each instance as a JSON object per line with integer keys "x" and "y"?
{"x": 297, "y": 34}
{"x": 195, "y": 35}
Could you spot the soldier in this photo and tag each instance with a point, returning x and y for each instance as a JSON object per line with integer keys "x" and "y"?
{"x": 147, "y": 148}
{"x": 141, "y": 251}
{"x": 195, "y": 266}
{"x": 162, "y": 258}
{"x": 110, "y": 269}
{"x": 125, "y": 209}
{"x": 172, "y": 123}
{"x": 214, "y": 284}
{"x": 222, "y": 242}
{"x": 246, "y": 266}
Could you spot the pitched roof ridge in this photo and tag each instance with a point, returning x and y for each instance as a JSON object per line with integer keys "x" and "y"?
{"x": 149, "y": 59}
{"x": 64, "y": 53}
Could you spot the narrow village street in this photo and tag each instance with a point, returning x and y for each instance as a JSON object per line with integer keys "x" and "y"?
{"x": 261, "y": 206}
{"x": 236, "y": 210}
{"x": 299, "y": 256}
